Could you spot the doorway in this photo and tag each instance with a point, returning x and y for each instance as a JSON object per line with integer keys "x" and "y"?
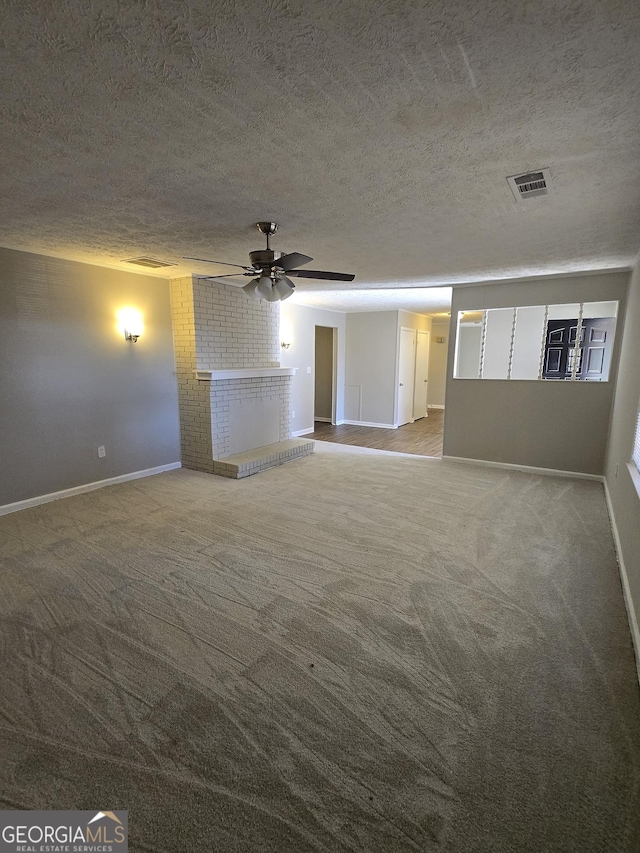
{"x": 412, "y": 432}
{"x": 324, "y": 407}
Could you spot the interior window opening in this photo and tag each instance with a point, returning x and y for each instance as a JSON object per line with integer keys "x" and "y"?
{"x": 567, "y": 342}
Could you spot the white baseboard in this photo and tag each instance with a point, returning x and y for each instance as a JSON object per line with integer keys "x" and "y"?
{"x": 322, "y": 420}
{"x": 528, "y": 469}
{"x": 298, "y": 432}
{"x": 86, "y": 487}
{"x": 430, "y": 406}
{"x": 626, "y": 589}
{"x": 367, "y": 424}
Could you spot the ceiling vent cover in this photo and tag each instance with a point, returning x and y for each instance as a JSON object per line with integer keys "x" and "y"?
{"x": 152, "y": 263}
{"x": 530, "y": 184}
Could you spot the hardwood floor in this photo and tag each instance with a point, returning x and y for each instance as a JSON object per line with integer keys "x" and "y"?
{"x": 422, "y": 437}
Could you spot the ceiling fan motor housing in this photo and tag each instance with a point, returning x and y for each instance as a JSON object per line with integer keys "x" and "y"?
{"x": 263, "y": 258}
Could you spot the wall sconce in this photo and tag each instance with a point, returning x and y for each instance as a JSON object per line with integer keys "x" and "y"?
{"x": 130, "y": 321}
{"x": 129, "y": 336}
{"x": 286, "y": 333}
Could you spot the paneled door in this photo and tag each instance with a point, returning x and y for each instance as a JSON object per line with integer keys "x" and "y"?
{"x": 594, "y": 350}
{"x": 406, "y": 375}
{"x": 597, "y": 344}
{"x": 421, "y": 383}
{"x": 560, "y": 341}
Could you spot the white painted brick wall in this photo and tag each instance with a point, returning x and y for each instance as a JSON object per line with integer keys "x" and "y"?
{"x": 217, "y": 327}
{"x": 223, "y": 393}
{"x": 232, "y": 330}
{"x": 193, "y": 396}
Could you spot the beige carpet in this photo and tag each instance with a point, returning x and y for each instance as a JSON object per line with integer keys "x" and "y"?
{"x": 352, "y": 652}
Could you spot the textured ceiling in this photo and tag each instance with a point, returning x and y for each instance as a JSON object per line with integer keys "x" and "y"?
{"x": 421, "y": 300}
{"x": 378, "y": 133}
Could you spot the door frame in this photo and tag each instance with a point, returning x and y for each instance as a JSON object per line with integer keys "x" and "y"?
{"x": 396, "y": 401}
{"x": 334, "y": 377}
{"x": 334, "y": 372}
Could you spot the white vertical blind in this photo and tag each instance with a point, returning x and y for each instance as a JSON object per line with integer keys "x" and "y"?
{"x": 498, "y": 341}
{"x": 636, "y": 445}
{"x": 528, "y": 342}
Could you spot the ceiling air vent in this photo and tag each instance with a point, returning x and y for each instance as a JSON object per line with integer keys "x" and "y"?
{"x": 530, "y": 185}
{"x": 152, "y": 263}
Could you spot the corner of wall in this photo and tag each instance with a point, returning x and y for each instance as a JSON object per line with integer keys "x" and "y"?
{"x": 622, "y": 498}
{"x": 194, "y": 403}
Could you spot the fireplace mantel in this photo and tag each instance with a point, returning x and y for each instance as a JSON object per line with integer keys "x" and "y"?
{"x": 243, "y": 373}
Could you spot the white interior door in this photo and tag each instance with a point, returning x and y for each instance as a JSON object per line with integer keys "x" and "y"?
{"x": 420, "y": 392}
{"x": 406, "y": 375}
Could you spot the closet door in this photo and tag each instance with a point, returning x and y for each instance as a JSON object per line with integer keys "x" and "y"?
{"x": 406, "y": 375}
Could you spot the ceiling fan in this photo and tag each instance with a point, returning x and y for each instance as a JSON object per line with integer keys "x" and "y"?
{"x": 275, "y": 269}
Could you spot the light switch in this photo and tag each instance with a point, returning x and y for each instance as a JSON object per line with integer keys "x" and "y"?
{"x": 308, "y": 370}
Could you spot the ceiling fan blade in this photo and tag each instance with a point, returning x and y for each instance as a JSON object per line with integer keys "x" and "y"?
{"x": 291, "y": 261}
{"x": 331, "y": 276}
{"x": 228, "y": 275}
{"x": 222, "y": 263}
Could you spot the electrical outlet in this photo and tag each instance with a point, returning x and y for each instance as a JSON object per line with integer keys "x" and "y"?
{"x": 102, "y": 451}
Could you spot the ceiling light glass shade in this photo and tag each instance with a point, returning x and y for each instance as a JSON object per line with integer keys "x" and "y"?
{"x": 284, "y": 287}
{"x": 273, "y": 296}
{"x": 251, "y": 289}
{"x": 265, "y": 289}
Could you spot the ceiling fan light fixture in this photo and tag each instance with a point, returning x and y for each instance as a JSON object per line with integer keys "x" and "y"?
{"x": 273, "y": 296}
{"x": 264, "y": 288}
{"x": 284, "y": 287}
{"x": 251, "y": 289}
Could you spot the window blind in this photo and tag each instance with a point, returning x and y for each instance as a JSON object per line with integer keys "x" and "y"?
{"x": 636, "y": 445}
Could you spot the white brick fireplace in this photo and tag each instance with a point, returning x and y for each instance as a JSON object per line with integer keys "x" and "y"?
{"x": 233, "y": 394}
{"x": 249, "y": 411}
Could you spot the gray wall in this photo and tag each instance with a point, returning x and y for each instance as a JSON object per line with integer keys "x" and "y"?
{"x": 297, "y": 324}
{"x": 70, "y": 382}
{"x": 542, "y": 424}
{"x": 372, "y": 363}
{"x": 625, "y": 501}
{"x": 372, "y": 340}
